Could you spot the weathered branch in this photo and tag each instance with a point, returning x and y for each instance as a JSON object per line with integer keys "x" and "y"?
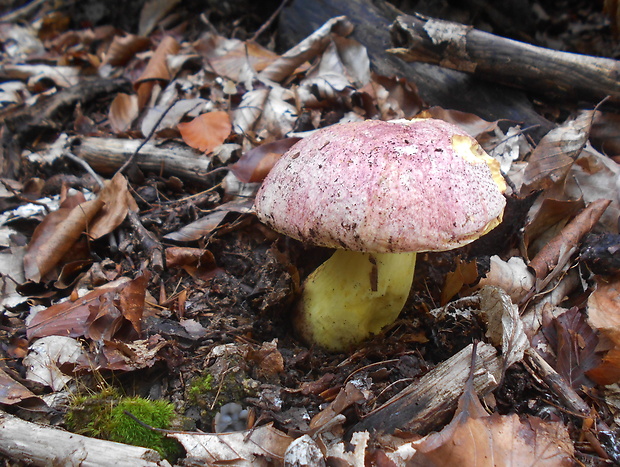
{"x": 459, "y": 47}
{"x": 44, "y": 445}
{"x": 107, "y": 155}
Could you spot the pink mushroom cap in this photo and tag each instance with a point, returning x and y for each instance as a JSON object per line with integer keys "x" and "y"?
{"x": 377, "y": 186}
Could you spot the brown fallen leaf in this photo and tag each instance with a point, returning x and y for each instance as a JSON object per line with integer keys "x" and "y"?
{"x": 117, "y": 201}
{"x": 207, "y": 131}
{"x": 156, "y": 70}
{"x": 12, "y": 392}
{"x": 471, "y": 123}
{"x": 57, "y": 234}
{"x": 559, "y": 249}
{"x": 261, "y": 447}
{"x": 254, "y": 165}
{"x": 604, "y": 316}
{"x": 123, "y": 111}
{"x": 110, "y": 311}
{"x": 551, "y": 160}
{"x": 465, "y": 273}
{"x": 124, "y": 48}
{"x": 197, "y": 262}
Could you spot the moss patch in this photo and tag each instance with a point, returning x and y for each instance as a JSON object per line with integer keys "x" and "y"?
{"x": 104, "y": 415}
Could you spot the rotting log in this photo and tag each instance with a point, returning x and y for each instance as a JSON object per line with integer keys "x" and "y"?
{"x": 440, "y": 86}
{"x": 545, "y": 71}
{"x": 41, "y": 445}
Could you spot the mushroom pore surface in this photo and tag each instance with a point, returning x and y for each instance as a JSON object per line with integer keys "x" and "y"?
{"x": 399, "y": 186}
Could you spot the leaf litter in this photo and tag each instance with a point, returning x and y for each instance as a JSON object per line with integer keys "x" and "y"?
{"x": 216, "y": 303}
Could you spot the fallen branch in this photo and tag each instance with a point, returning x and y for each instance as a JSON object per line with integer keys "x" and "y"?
{"x": 44, "y": 445}
{"x": 107, "y": 155}
{"x": 460, "y": 47}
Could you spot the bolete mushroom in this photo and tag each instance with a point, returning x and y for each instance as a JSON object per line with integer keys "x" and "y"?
{"x": 379, "y": 192}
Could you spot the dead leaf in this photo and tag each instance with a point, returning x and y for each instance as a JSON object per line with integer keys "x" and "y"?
{"x": 605, "y": 133}
{"x": 254, "y": 447}
{"x": 559, "y": 249}
{"x": 124, "y": 48}
{"x": 123, "y": 111}
{"x": 254, "y": 165}
{"x": 465, "y": 273}
{"x": 552, "y": 159}
{"x": 267, "y": 359}
{"x": 48, "y": 355}
{"x": 198, "y": 229}
{"x": 512, "y": 276}
{"x": 12, "y": 392}
{"x": 57, "y": 234}
{"x": 475, "y": 438}
{"x": 207, "y": 131}
{"x": 157, "y": 69}
{"x": 604, "y": 316}
{"x": 102, "y": 313}
{"x": 306, "y": 50}
{"x": 197, "y": 262}
{"x": 117, "y": 201}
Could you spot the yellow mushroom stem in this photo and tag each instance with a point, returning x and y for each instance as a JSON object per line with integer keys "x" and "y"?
{"x": 352, "y": 296}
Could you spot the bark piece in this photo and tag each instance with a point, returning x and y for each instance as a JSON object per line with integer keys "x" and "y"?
{"x": 438, "y": 86}
{"x": 460, "y": 47}
{"x": 430, "y": 401}
{"x": 44, "y": 445}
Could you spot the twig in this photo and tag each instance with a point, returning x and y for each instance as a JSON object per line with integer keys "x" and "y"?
{"x": 150, "y": 244}
{"x": 86, "y": 167}
{"x": 270, "y": 20}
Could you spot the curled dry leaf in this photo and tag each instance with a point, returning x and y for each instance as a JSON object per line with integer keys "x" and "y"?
{"x": 117, "y": 202}
{"x": 207, "y": 131}
{"x": 255, "y": 164}
{"x": 557, "y": 252}
{"x": 103, "y": 313}
{"x": 152, "y": 12}
{"x": 156, "y": 70}
{"x": 48, "y": 355}
{"x": 604, "y": 316}
{"x": 57, "y": 234}
{"x": 306, "y": 50}
{"x": 12, "y": 392}
{"x": 123, "y": 111}
{"x": 552, "y": 159}
{"x": 198, "y": 263}
{"x": 259, "y": 447}
{"x": 124, "y": 48}
{"x": 512, "y": 276}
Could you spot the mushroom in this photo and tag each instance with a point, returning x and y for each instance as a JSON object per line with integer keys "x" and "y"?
{"x": 378, "y": 192}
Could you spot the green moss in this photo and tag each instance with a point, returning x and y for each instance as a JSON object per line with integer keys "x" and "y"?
{"x": 104, "y": 415}
{"x": 200, "y": 386}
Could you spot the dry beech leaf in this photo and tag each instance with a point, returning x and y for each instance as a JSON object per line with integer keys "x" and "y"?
{"x": 255, "y": 164}
{"x": 465, "y": 273}
{"x": 604, "y": 316}
{"x": 512, "y": 276}
{"x": 207, "y": 131}
{"x": 12, "y": 392}
{"x": 123, "y": 111}
{"x": 197, "y": 262}
{"x": 552, "y": 159}
{"x": 259, "y": 447}
{"x": 232, "y": 58}
{"x": 124, "y": 48}
{"x": 56, "y": 235}
{"x": 156, "y": 70}
{"x": 198, "y": 229}
{"x": 117, "y": 201}
{"x": 558, "y": 250}
{"x": 102, "y": 313}
{"x": 395, "y": 97}
{"x": 306, "y": 50}
{"x": 47, "y": 356}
